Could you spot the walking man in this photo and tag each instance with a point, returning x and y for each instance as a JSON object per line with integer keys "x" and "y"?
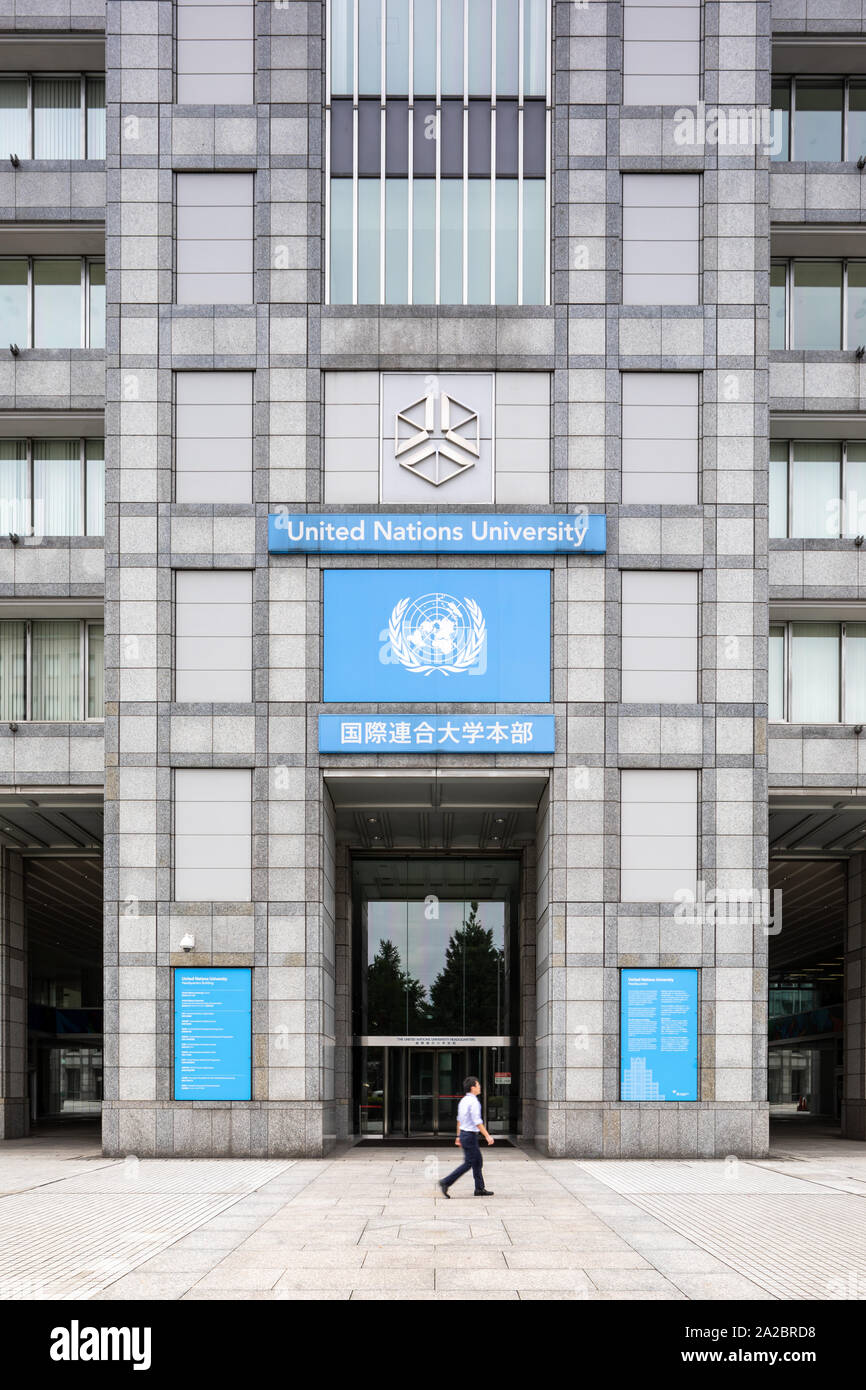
{"x": 470, "y": 1127}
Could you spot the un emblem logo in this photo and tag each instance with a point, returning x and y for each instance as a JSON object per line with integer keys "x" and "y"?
{"x": 437, "y": 632}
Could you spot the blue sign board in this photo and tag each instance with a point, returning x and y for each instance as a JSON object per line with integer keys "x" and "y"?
{"x": 658, "y": 1035}
{"x": 436, "y": 733}
{"x": 437, "y": 636}
{"x": 213, "y": 1034}
{"x": 428, "y": 533}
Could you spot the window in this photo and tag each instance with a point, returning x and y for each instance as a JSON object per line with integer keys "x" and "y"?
{"x": 817, "y": 488}
{"x": 215, "y": 52}
{"x": 214, "y": 643}
{"x": 52, "y": 487}
{"x": 53, "y": 302}
{"x": 214, "y": 437}
{"x": 658, "y": 834}
{"x": 214, "y": 238}
{"x": 51, "y": 670}
{"x": 818, "y": 305}
{"x": 438, "y": 152}
{"x": 661, "y": 238}
{"x": 819, "y": 118}
{"x": 661, "y": 52}
{"x": 212, "y": 835}
{"x": 57, "y": 116}
{"x": 818, "y": 672}
{"x": 660, "y": 437}
{"x": 659, "y": 637}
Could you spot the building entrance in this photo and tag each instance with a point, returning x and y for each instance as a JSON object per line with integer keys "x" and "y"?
{"x": 436, "y": 993}
{"x": 412, "y": 1091}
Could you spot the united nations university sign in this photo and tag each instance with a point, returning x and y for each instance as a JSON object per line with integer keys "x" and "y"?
{"x": 454, "y": 533}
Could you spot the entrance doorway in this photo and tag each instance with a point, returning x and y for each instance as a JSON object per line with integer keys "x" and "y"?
{"x": 412, "y": 1091}
{"x": 436, "y": 992}
{"x": 805, "y": 995}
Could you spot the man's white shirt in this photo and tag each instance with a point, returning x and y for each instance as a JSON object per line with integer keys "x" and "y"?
{"x": 469, "y": 1112}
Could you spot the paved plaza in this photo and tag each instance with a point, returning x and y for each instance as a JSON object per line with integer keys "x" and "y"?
{"x": 366, "y": 1223}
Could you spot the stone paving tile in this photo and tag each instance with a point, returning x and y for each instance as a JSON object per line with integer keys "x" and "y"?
{"x": 512, "y": 1279}
{"x": 384, "y": 1279}
{"x": 438, "y": 1296}
{"x": 241, "y": 1277}
{"x": 285, "y": 1259}
{"x": 574, "y": 1258}
{"x": 712, "y": 1286}
{"x": 147, "y": 1286}
{"x": 199, "y": 1295}
{"x": 622, "y": 1280}
{"x": 599, "y": 1296}
{"x": 179, "y": 1261}
{"x": 367, "y": 1226}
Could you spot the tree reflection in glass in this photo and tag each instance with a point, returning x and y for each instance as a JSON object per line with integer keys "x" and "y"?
{"x": 468, "y": 994}
{"x": 395, "y": 1001}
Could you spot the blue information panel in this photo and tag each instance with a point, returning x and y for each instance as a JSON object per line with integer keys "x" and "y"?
{"x": 435, "y": 636}
{"x": 436, "y": 733}
{"x": 430, "y": 533}
{"x": 658, "y": 1035}
{"x": 213, "y": 1034}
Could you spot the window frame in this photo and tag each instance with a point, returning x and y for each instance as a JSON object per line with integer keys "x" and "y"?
{"x": 84, "y": 625}
{"x": 843, "y": 533}
{"x": 31, "y": 76}
{"x": 787, "y": 683}
{"x": 790, "y": 322}
{"x": 464, "y": 181}
{"x": 791, "y": 80}
{"x": 28, "y": 442}
{"x": 85, "y": 262}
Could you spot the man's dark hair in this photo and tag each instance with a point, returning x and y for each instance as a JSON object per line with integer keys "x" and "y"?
{"x": 469, "y": 1082}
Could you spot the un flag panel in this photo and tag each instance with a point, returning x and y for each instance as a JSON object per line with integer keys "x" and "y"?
{"x": 436, "y": 636}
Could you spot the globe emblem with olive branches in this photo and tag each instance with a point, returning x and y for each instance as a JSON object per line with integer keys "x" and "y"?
{"x": 437, "y": 632}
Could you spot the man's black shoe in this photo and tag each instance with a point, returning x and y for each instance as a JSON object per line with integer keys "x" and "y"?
{"x": 485, "y": 1192}
{"x": 443, "y": 1189}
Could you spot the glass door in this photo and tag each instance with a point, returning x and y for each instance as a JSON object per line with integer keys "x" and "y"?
{"x": 422, "y": 1091}
{"x": 450, "y": 1065}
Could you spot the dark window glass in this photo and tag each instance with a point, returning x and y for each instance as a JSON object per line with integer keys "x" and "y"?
{"x": 424, "y": 139}
{"x": 479, "y": 139}
{"x": 369, "y": 139}
{"x": 452, "y": 139}
{"x": 817, "y": 309}
{"x": 506, "y": 139}
{"x": 778, "y": 281}
{"x": 781, "y": 109}
{"x": 818, "y": 121}
{"x": 341, "y": 139}
{"x": 397, "y": 139}
{"x": 856, "y": 119}
{"x": 534, "y": 140}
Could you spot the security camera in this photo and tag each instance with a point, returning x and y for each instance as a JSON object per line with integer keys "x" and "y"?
{"x": 14, "y": 537}
{"x": 14, "y": 349}
{"x": 187, "y": 943}
{"x": 15, "y": 160}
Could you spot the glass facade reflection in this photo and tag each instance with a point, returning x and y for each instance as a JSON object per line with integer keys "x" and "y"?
{"x": 435, "y": 947}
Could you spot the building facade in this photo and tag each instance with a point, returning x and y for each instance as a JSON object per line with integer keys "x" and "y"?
{"x": 481, "y": 604}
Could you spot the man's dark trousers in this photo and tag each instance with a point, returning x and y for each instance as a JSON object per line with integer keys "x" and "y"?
{"x": 471, "y": 1145}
